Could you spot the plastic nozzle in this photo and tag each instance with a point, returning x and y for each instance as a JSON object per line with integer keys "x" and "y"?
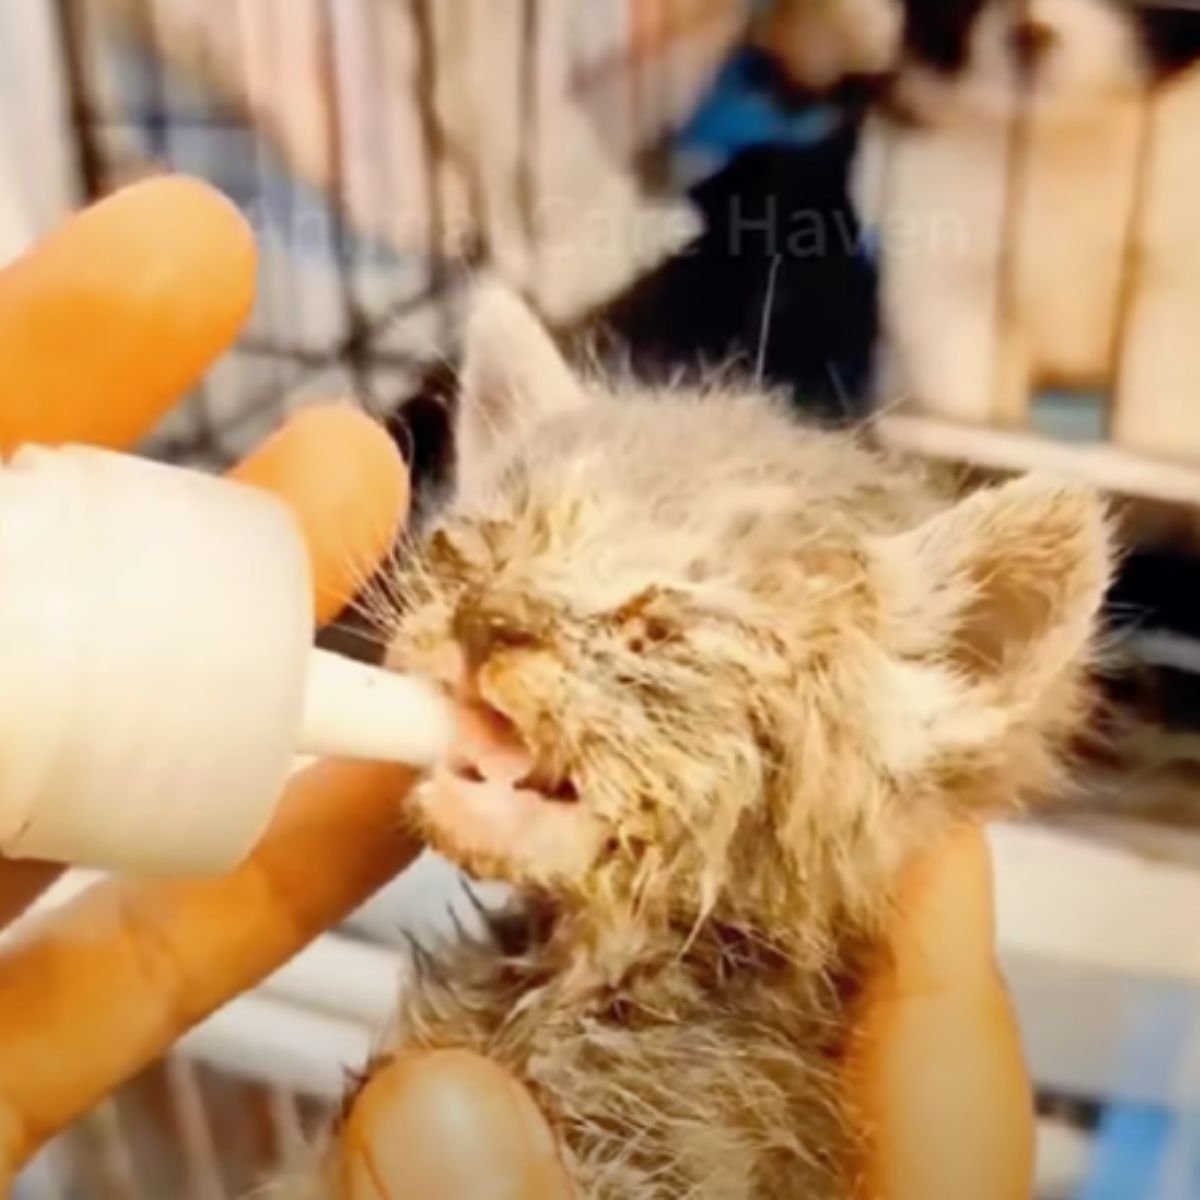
{"x": 157, "y": 676}
{"x": 357, "y": 711}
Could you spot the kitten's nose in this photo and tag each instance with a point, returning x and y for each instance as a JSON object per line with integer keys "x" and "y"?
{"x": 489, "y": 748}
{"x": 1031, "y": 41}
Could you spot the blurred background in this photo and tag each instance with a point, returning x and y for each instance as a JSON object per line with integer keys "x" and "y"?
{"x": 630, "y": 165}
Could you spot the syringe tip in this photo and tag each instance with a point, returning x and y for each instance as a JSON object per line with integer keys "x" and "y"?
{"x": 352, "y": 710}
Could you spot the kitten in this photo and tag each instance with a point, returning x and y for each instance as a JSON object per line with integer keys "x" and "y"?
{"x": 1031, "y": 181}
{"x": 719, "y": 676}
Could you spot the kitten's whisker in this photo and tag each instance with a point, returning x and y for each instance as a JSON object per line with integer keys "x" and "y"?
{"x": 764, "y": 340}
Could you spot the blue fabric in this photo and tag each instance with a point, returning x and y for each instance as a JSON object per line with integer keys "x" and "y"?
{"x": 1129, "y": 1154}
{"x": 1135, "y": 1142}
{"x": 739, "y": 112}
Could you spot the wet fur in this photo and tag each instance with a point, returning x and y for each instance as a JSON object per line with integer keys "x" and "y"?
{"x": 773, "y": 665}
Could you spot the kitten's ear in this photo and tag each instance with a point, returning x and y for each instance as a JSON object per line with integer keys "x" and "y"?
{"x": 1003, "y": 589}
{"x": 513, "y": 374}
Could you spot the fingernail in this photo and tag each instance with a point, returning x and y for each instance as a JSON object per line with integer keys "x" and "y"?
{"x": 447, "y": 1125}
{"x": 538, "y": 1137}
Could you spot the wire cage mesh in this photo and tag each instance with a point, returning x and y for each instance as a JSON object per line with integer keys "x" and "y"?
{"x": 181, "y": 1129}
{"x": 132, "y": 113}
{"x": 329, "y": 124}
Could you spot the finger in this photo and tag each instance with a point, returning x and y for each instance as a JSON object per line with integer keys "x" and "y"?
{"x": 95, "y": 991}
{"x": 112, "y": 318}
{"x": 451, "y": 1125}
{"x": 940, "y": 1076}
{"x": 345, "y": 480}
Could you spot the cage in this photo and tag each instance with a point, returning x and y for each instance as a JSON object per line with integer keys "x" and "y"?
{"x": 384, "y": 152}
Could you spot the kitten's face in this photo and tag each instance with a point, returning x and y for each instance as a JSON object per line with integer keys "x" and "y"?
{"x": 689, "y": 659}
{"x": 1064, "y": 57}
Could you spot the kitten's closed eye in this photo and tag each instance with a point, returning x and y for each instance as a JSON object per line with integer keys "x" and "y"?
{"x": 486, "y": 626}
{"x": 459, "y": 551}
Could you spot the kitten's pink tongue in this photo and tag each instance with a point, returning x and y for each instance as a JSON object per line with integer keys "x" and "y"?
{"x": 490, "y": 747}
{"x": 477, "y": 799}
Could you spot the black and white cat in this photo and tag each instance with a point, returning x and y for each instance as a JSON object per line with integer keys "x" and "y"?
{"x": 1033, "y": 181}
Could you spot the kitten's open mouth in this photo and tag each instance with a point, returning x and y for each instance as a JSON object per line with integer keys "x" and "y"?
{"x": 536, "y": 782}
{"x": 492, "y": 751}
{"x": 558, "y": 791}
{"x": 495, "y": 827}
{"x": 495, "y": 798}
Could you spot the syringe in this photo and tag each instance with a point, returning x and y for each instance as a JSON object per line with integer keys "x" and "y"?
{"x": 157, "y": 673}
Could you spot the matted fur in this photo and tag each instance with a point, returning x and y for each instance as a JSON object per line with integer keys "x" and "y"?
{"x": 754, "y": 667}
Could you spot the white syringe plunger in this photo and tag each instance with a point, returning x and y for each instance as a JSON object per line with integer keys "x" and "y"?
{"x": 157, "y": 675}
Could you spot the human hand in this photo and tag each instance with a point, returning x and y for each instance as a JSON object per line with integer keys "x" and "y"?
{"x": 938, "y": 1076}
{"x": 102, "y": 328}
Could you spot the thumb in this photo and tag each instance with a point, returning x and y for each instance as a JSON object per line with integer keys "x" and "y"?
{"x": 940, "y": 1076}
{"x": 451, "y": 1125}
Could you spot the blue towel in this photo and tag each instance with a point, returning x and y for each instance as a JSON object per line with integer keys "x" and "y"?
{"x": 1134, "y": 1141}
{"x": 739, "y": 112}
